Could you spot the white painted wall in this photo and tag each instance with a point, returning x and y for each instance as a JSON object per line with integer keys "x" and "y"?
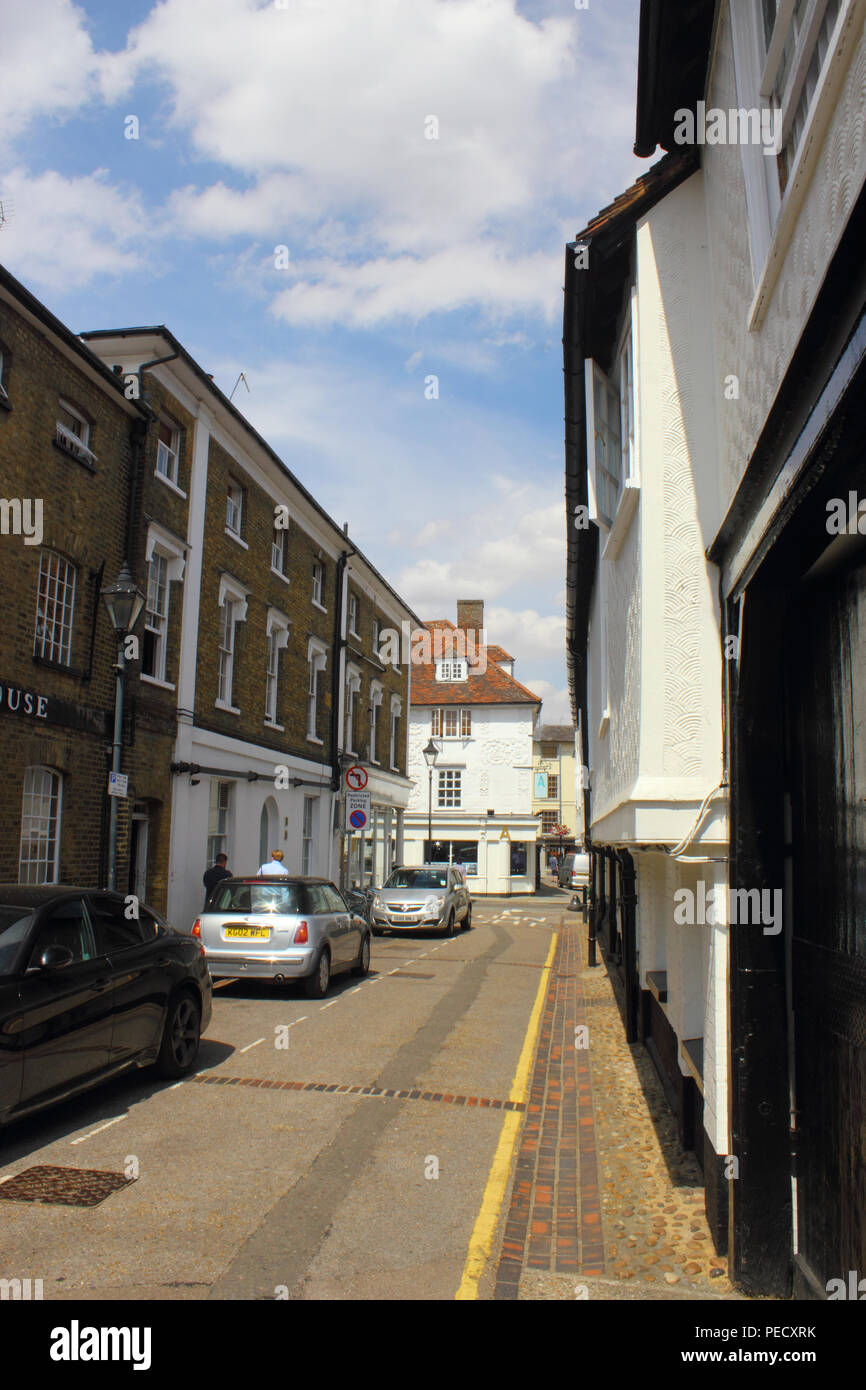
{"x": 495, "y": 763}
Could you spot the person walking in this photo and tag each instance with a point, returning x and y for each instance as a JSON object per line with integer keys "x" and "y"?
{"x": 275, "y": 867}
{"x": 211, "y": 877}
{"x": 553, "y": 864}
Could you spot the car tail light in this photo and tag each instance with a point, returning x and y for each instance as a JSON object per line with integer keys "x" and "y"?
{"x": 301, "y": 934}
{"x": 196, "y": 928}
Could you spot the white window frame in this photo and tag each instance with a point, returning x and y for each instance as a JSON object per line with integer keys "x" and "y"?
{"x": 449, "y": 788}
{"x": 167, "y": 454}
{"x": 35, "y": 790}
{"x": 308, "y": 834}
{"x": 377, "y": 694}
{"x": 70, "y": 439}
{"x": 353, "y": 608}
{"x": 60, "y": 598}
{"x": 451, "y": 671}
{"x": 317, "y": 660}
{"x": 3, "y": 392}
{"x": 277, "y": 632}
{"x": 396, "y": 712}
{"x": 279, "y": 547}
{"x": 161, "y": 543}
{"x": 234, "y": 508}
{"x": 233, "y": 598}
{"x": 353, "y": 689}
{"x": 622, "y": 386}
{"x": 219, "y": 841}
{"x": 318, "y": 585}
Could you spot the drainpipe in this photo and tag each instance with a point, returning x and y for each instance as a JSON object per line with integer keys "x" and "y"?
{"x": 337, "y": 681}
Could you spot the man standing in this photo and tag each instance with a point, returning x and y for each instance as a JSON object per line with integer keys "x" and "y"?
{"x": 276, "y": 867}
{"x": 212, "y": 877}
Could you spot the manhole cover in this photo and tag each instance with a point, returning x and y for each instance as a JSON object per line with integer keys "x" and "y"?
{"x": 410, "y": 975}
{"x": 68, "y": 1187}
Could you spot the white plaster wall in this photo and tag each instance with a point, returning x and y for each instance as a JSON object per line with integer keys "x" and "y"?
{"x": 761, "y": 357}
{"x": 495, "y": 763}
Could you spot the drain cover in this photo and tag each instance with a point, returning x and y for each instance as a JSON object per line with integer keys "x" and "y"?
{"x": 68, "y": 1187}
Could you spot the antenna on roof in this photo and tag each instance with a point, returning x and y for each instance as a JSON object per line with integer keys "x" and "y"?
{"x": 6, "y": 211}
{"x": 241, "y": 378}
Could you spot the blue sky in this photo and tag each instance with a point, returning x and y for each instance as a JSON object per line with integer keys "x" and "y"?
{"x": 305, "y": 124}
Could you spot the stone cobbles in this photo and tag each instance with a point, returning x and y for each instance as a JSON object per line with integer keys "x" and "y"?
{"x": 602, "y": 1194}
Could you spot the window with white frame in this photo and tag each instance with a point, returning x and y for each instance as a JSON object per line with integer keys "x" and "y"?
{"x": 39, "y": 847}
{"x": 548, "y": 822}
{"x": 308, "y": 835}
{"x": 55, "y": 606}
{"x": 232, "y": 610}
{"x": 353, "y": 614}
{"x": 448, "y": 792}
{"x": 165, "y": 558}
{"x": 318, "y": 583}
{"x": 278, "y": 637}
{"x": 377, "y": 634}
{"x": 796, "y": 40}
{"x": 376, "y": 697}
{"x": 167, "y": 449}
{"x": 317, "y": 655}
{"x": 396, "y": 711}
{"x": 72, "y": 432}
{"x": 451, "y": 723}
{"x": 451, "y": 671}
{"x": 278, "y": 550}
{"x": 219, "y": 819}
{"x": 4, "y": 373}
{"x": 552, "y": 786}
{"x": 234, "y": 507}
{"x": 610, "y": 427}
{"x": 353, "y": 687}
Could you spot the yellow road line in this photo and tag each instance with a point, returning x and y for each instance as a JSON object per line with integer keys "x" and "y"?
{"x": 497, "y": 1179}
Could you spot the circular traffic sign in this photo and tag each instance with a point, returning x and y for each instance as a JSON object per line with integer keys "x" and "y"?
{"x": 356, "y": 778}
{"x": 358, "y": 819}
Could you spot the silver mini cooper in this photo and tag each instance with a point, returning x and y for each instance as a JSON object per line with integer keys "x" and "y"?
{"x": 282, "y": 929}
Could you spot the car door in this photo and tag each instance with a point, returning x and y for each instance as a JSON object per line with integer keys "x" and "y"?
{"x": 350, "y": 927}
{"x": 330, "y": 926}
{"x": 64, "y": 1022}
{"x": 461, "y": 895}
{"x": 140, "y": 970}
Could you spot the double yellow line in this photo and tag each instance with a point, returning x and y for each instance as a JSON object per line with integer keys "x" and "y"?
{"x": 484, "y": 1230}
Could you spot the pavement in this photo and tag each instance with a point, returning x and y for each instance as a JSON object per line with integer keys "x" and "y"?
{"x": 429, "y": 1131}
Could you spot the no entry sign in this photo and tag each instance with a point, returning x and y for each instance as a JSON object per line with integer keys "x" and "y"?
{"x": 358, "y": 809}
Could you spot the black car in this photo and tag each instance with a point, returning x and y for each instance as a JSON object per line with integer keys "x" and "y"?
{"x": 91, "y": 984}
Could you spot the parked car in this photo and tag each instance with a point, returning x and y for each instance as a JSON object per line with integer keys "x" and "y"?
{"x": 282, "y": 929}
{"x": 87, "y": 992}
{"x": 574, "y": 871}
{"x": 360, "y": 900}
{"x": 422, "y": 897}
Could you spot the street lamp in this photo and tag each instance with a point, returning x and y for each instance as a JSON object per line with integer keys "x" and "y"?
{"x": 124, "y": 602}
{"x": 431, "y": 753}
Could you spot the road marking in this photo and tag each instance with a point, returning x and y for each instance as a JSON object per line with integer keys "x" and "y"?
{"x": 329, "y": 1005}
{"x": 302, "y": 1019}
{"x": 251, "y": 1045}
{"x": 175, "y": 1086}
{"x": 481, "y": 1240}
{"x": 107, "y": 1124}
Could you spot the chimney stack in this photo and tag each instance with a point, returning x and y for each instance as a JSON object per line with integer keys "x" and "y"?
{"x": 470, "y": 614}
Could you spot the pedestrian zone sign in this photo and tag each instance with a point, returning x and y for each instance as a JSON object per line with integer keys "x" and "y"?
{"x": 358, "y": 810}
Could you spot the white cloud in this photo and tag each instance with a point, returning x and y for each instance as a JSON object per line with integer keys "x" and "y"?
{"x": 49, "y": 65}
{"x": 556, "y": 705}
{"x": 69, "y": 231}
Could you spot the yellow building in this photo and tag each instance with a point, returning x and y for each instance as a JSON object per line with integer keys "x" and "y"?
{"x": 557, "y": 798}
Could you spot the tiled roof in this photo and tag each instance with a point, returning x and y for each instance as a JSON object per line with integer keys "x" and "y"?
{"x": 492, "y": 687}
{"x": 658, "y": 180}
{"x": 554, "y": 733}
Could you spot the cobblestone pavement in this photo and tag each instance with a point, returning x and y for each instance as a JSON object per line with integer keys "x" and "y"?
{"x": 604, "y": 1203}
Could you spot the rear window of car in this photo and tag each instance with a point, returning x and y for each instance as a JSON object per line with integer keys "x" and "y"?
{"x": 417, "y": 878}
{"x": 15, "y": 922}
{"x": 254, "y": 897}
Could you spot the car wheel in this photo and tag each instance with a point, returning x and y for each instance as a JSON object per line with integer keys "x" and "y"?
{"x": 466, "y": 924}
{"x": 449, "y": 930}
{"x": 180, "y": 1037}
{"x": 317, "y": 983}
{"x": 363, "y": 966}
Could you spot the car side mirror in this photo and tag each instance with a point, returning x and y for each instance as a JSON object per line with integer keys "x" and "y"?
{"x": 55, "y": 958}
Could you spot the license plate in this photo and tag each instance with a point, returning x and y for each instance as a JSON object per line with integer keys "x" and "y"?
{"x": 248, "y": 933}
{"x": 407, "y": 917}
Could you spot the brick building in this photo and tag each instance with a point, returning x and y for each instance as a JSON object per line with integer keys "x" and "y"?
{"x": 68, "y": 445}
{"x": 260, "y": 642}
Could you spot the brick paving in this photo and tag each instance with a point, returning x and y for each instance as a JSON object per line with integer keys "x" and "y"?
{"x": 604, "y": 1203}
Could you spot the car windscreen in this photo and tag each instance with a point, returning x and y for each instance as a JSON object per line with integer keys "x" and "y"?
{"x": 254, "y": 897}
{"x": 15, "y": 922}
{"x": 417, "y": 878}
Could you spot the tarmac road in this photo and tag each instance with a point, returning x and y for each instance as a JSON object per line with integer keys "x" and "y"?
{"x": 250, "y": 1187}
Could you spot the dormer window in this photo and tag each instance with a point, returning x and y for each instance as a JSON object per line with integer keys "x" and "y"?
{"x": 451, "y": 670}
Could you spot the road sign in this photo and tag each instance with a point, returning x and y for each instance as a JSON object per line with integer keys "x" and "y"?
{"x": 117, "y": 783}
{"x": 356, "y": 778}
{"x": 358, "y": 810}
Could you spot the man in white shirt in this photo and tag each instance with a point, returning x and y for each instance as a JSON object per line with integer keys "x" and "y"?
{"x": 276, "y": 867}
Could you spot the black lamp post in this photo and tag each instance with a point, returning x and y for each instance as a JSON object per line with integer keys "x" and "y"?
{"x": 124, "y": 602}
{"x": 431, "y": 753}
